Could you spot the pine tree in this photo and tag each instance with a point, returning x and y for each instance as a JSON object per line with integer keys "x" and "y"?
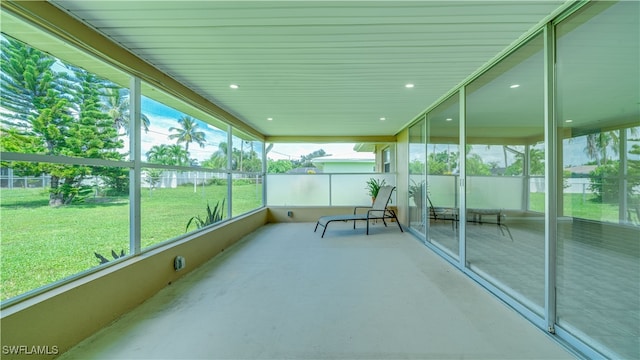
{"x": 54, "y": 113}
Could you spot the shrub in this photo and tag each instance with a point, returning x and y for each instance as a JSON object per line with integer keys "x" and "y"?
{"x": 116, "y": 181}
{"x": 604, "y": 182}
{"x": 217, "y": 181}
{"x": 244, "y": 182}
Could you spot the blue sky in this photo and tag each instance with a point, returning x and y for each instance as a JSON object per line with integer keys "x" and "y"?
{"x": 162, "y": 118}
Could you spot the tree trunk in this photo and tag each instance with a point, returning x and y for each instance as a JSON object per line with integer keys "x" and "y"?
{"x": 55, "y": 197}
{"x": 68, "y": 197}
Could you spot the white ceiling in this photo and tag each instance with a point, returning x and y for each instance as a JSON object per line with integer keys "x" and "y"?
{"x": 318, "y": 68}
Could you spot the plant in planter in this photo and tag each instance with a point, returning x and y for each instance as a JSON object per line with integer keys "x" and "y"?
{"x": 373, "y": 186}
{"x": 416, "y": 191}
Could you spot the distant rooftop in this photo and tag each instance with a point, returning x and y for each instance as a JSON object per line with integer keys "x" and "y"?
{"x": 355, "y": 157}
{"x": 583, "y": 169}
{"x": 305, "y": 170}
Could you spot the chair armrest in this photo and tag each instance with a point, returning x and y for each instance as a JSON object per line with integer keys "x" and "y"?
{"x": 355, "y": 209}
{"x": 383, "y": 211}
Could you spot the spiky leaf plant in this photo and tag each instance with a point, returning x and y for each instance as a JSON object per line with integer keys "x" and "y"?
{"x": 213, "y": 216}
{"x": 104, "y": 260}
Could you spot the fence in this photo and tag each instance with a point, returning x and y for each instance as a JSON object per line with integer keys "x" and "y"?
{"x": 162, "y": 179}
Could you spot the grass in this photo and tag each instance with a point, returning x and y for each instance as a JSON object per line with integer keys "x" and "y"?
{"x": 579, "y": 206}
{"x": 41, "y": 244}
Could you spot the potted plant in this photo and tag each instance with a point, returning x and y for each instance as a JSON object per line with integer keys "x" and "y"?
{"x": 373, "y": 186}
{"x": 416, "y": 191}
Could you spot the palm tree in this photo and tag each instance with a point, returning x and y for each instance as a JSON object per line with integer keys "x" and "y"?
{"x": 158, "y": 154}
{"x": 218, "y": 159}
{"x": 187, "y": 132}
{"x": 168, "y": 155}
{"x": 598, "y": 143}
{"x": 178, "y": 155}
{"x": 118, "y": 107}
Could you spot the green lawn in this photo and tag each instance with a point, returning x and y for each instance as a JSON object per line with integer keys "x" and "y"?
{"x": 579, "y": 206}
{"x": 40, "y": 244}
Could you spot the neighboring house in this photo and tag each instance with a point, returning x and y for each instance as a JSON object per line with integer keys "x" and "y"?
{"x": 305, "y": 170}
{"x": 582, "y": 170}
{"x": 579, "y": 181}
{"x": 353, "y": 163}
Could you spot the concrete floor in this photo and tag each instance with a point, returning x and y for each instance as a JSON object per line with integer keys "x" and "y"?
{"x": 283, "y": 292}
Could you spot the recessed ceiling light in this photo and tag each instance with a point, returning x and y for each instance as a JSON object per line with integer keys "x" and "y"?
{"x": 234, "y": 86}
{"x": 383, "y": 118}
{"x": 409, "y": 86}
{"x": 514, "y": 86}
{"x": 568, "y": 121}
{"x": 269, "y": 119}
{"x": 449, "y": 119}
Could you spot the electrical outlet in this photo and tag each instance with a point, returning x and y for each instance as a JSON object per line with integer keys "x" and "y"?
{"x": 290, "y": 213}
{"x": 179, "y": 263}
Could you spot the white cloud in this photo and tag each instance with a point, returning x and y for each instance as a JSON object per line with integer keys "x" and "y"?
{"x": 293, "y": 151}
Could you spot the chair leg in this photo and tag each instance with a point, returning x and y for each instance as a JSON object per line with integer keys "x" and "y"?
{"x": 393, "y": 213}
{"x": 318, "y": 223}
{"x": 508, "y": 231}
{"x": 325, "y": 228}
